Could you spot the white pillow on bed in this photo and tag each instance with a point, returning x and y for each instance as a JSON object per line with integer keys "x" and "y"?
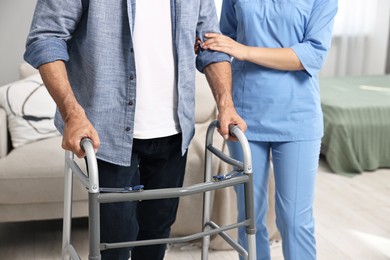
{"x": 30, "y": 110}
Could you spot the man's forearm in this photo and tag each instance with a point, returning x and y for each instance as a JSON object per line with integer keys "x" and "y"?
{"x": 55, "y": 77}
{"x": 219, "y": 77}
{"x": 77, "y": 126}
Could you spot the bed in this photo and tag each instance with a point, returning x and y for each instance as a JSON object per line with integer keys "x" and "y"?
{"x": 356, "y": 123}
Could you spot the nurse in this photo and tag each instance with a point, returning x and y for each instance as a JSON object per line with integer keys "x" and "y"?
{"x": 278, "y": 48}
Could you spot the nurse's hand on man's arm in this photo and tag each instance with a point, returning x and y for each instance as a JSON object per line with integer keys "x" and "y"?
{"x": 222, "y": 43}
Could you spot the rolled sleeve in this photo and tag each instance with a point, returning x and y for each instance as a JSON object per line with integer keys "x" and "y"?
{"x": 208, "y": 22}
{"x": 310, "y": 60}
{"x": 313, "y": 49}
{"x": 45, "y": 51}
{"x": 53, "y": 25}
{"x": 206, "y": 57}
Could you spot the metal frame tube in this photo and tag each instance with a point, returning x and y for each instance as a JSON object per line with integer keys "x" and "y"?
{"x": 246, "y": 166}
{"x": 93, "y": 172}
{"x": 170, "y": 192}
{"x": 67, "y": 220}
{"x": 233, "y": 243}
{"x": 249, "y": 197}
{"x": 91, "y": 182}
{"x": 77, "y": 172}
{"x": 207, "y": 195}
{"x": 94, "y": 226}
{"x": 93, "y": 202}
{"x": 184, "y": 239}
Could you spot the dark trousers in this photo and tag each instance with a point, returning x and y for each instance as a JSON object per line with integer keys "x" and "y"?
{"x": 156, "y": 164}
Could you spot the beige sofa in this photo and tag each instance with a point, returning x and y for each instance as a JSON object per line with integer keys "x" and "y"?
{"x": 31, "y": 176}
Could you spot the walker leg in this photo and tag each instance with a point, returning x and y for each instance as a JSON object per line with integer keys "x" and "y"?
{"x": 251, "y": 246}
{"x": 67, "y": 221}
{"x": 206, "y": 206}
{"x": 94, "y": 227}
{"x": 250, "y": 214}
{"x": 206, "y": 219}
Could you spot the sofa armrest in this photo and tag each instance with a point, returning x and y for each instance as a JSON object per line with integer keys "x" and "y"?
{"x": 3, "y": 133}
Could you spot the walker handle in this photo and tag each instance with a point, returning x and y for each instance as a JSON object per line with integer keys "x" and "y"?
{"x": 86, "y": 145}
{"x": 217, "y": 125}
{"x": 235, "y": 131}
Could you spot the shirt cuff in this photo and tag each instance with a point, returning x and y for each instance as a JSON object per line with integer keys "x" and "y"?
{"x": 206, "y": 57}
{"x": 45, "y": 51}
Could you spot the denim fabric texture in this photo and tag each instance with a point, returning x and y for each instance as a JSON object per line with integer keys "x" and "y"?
{"x": 156, "y": 163}
{"x": 94, "y": 39}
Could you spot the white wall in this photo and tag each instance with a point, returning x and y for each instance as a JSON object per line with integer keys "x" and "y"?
{"x": 378, "y": 45}
{"x": 15, "y": 19}
{"x": 388, "y": 54}
{"x": 361, "y": 39}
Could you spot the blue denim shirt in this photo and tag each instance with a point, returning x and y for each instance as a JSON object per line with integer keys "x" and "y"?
{"x": 94, "y": 39}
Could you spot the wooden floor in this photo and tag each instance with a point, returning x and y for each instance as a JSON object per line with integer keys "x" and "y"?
{"x": 352, "y": 222}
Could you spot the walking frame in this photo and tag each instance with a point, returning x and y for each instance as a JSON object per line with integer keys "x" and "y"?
{"x": 242, "y": 174}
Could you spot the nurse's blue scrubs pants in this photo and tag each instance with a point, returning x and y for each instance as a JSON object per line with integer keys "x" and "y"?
{"x": 295, "y": 170}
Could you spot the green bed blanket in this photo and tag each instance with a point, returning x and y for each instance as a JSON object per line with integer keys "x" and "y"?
{"x": 356, "y": 123}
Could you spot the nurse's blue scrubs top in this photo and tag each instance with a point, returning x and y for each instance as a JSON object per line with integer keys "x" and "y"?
{"x": 280, "y": 105}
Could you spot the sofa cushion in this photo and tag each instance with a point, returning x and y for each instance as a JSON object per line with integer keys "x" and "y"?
{"x": 30, "y": 110}
{"x": 37, "y": 169}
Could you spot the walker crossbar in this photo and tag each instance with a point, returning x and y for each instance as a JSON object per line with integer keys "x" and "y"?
{"x": 216, "y": 230}
{"x": 225, "y": 158}
{"x": 169, "y": 192}
{"x": 77, "y": 172}
{"x": 96, "y": 197}
{"x": 72, "y": 252}
{"x": 229, "y": 239}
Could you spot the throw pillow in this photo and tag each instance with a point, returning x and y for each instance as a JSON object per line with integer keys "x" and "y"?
{"x": 26, "y": 70}
{"x": 30, "y": 110}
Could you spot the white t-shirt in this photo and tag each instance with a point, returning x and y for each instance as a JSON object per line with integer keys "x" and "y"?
{"x": 156, "y": 97}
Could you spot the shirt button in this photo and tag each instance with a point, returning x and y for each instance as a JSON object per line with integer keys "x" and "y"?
{"x": 131, "y": 50}
{"x": 131, "y": 77}
{"x": 127, "y": 129}
{"x": 130, "y": 103}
